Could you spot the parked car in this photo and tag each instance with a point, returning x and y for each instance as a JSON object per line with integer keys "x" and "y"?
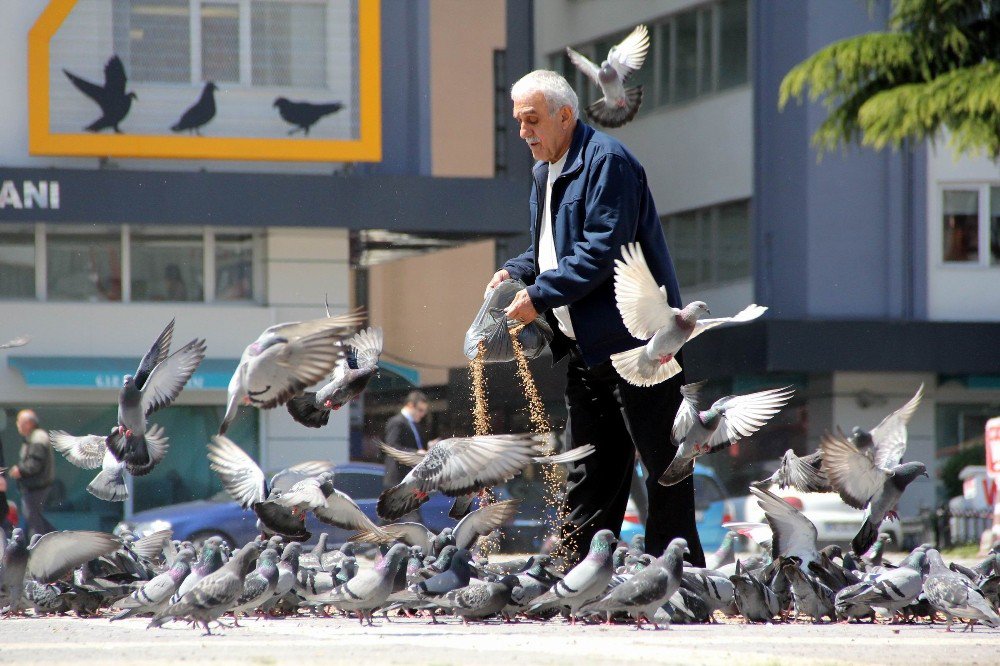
{"x": 221, "y": 516}
{"x": 835, "y": 521}
{"x": 712, "y": 508}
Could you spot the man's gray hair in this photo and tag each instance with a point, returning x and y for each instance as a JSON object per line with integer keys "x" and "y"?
{"x": 556, "y": 90}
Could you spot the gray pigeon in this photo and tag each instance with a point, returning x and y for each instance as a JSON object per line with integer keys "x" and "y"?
{"x": 369, "y": 590}
{"x": 886, "y": 442}
{"x": 697, "y": 433}
{"x": 648, "y": 589}
{"x": 725, "y": 554}
{"x": 850, "y": 604}
{"x": 811, "y": 597}
{"x": 648, "y": 316}
{"x": 712, "y": 587}
{"x": 214, "y": 594}
{"x": 793, "y": 535}
{"x": 584, "y": 582}
{"x": 258, "y": 585}
{"x": 804, "y": 473}
{"x": 285, "y": 360}
{"x": 478, "y": 523}
{"x": 618, "y": 105}
{"x": 863, "y": 484}
{"x": 92, "y": 451}
{"x": 754, "y": 600}
{"x": 462, "y": 465}
{"x": 209, "y": 561}
{"x": 535, "y": 581}
{"x": 350, "y": 378}
{"x": 956, "y": 596}
{"x": 329, "y": 505}
{"x": 155, "y": 595}
{"x": 478, "y": 600}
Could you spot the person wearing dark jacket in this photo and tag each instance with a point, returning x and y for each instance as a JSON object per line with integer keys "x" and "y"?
{"x": 35, "y": 472}
{"x": 402, "y": 431}
{"x": 589, "y": 197}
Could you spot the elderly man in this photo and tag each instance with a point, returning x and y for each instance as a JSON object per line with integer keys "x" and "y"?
{"x": 589, "y": 198}
{"x": 35, "y": 472}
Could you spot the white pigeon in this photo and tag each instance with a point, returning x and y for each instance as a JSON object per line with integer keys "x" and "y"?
{"x": 648, "y": 316}
{"x": 618, "y": 105}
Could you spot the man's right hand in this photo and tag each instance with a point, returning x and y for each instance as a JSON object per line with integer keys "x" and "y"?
{"x": 498, "y": 277}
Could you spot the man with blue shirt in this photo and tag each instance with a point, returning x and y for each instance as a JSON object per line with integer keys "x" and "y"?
{"x": 589, "y": 198}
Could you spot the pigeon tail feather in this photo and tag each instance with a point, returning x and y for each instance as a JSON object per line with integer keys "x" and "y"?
{"x": 109, "y": 485}
{"x": 677, "y": 471}
{"x": 866, "y": 536}
{"x": 634, "y": 368}
{"x": 304, "y": 410}
{"x": 607, "y": 115}
{"x": 398, "y": 501}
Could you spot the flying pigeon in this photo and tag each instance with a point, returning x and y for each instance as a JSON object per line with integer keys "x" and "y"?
{"x": 886, "y": 442}
{"x": 478, "y": 523}
{"x": 955, "y": 595}
{"x": 245, "y": 482}
{"x": 648, "y": 589}
{"x": 285, "y": 360}
{"x": 618, "y": 105}
{"x": 155, "y": 594}
{"x": 648, "y": 316}
{"x": 214, "y": 594}
{"x": 329, "y": 505}
{"x": 793, "y": 535}
{"x": 304, "y": 114}
{"x": 115, "y": 103}
{"x": 584, "y": 582}
{"x": 19, "y": 341}
{"x": 462, "y": 465}
{"x": 350, "y": 378}
{"x": 696, "y": 433}
{"x": 92, "y": 451}
{"x": 198, "y": 114}
{"x": 804, "y": 473}
{"x": 863, "y": 484}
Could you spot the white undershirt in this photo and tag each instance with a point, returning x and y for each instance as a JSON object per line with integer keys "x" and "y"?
{"x": 547, "y": 259}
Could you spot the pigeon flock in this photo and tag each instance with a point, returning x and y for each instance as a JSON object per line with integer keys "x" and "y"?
{"x": 115, "y": 104}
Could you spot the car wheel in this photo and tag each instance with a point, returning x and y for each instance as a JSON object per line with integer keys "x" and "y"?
{"x": 200, "y": 537}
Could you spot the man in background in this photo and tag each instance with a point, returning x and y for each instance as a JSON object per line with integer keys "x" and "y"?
{"x": 35, "y": 472}
{"x": 403, "y": 432}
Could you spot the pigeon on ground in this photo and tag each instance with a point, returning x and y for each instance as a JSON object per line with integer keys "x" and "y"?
{"x": 647, "y": 590}
{"x": 754, "y": 600}
{"x": 697, "y": 433}
{"x": 214, "y": 594}
{"x": 155, "y": 595}
{"x": 533, "y": 582}
{"x": 584, "y": 582}
{"x": 850, "y": 606}
{"x": 956, "y": 596}
{"x": 259, "y": 584}
{"x": 462, "y": 465}
{"x": 648, "y": 316}
{"x": 329, "y": 505}
{"x": 478, "y": 523}
{"x": 810, "y": 596}
{"x": 209, "y": 561}
{"x": 712, "y": 587}
{"x": 804, "y": 473}
{"x": 115, "y": 103}
{"x": 19, "y": 341}
{"x": 725, "y": 554}
{"x": 369, "y": 590}
{"x": 873, "y": 556}
{"x": 478, "y": 600}
{"x": 285, "y": 360}
{"x": 863, "y": 484}
{"x": 892, "y": 590}
{"x": 618, "y": 105}
{"x": 793, "y": 535}
{"x": 198, "y": 114}
{"x": 304, "y": 114}
{"x": 48, "y": 558}
{"x": 288, "y": 572}
{"x": 245, "y": 482}
{"x": 456, "y": 575}
{"x": 349, "y": 380}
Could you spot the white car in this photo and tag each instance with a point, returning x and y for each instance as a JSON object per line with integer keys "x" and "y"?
{"x": 835, "y": 521}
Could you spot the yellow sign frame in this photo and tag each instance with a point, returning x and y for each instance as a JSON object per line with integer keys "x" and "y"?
{"x": 367, "y": 148}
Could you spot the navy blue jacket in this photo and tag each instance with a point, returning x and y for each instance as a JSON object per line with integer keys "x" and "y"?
{"x": 601, "y": 201}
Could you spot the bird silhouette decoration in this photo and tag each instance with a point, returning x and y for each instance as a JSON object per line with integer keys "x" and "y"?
{"x": 115, "y": 103}
{"x": 200, "y": 113}
{"x": 304, "y": 114}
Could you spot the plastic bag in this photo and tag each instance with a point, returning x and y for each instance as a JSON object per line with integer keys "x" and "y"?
{"x": 491, "y": 326}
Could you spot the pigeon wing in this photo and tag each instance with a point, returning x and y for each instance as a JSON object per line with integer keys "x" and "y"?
{"x": 86, "y": 452}
{"x": 852, "y": 474}
{"x": 157, "y": 353}
{"x": 114, "y": 77}
{"x": 170, "y": 376}
{"x": 463, "y": 464}
{"x": 341, "y": 511}
{"x": 91, "y": 90}
{"x": 749, "y": 313}
{"x": 58, "y": 553}
{"x": 743, "y": 415}
{"x": 641, "y": 302}
{"x": 412, "y": 534}
{"x": 628, "y": 55}
{"x": 484, "y": 520}
{"x": 151, "y": 545}
{"x": 799, "y": 473}
{"x": 687, "y": 413}
{"x": 585, "y": 65}
{"x": 792, "y": 533}
{"x": 408, "y": 458}
{"x": 304, "y": 493}
{"x": 240, "y": 475}
{"x": 889, "y": 436}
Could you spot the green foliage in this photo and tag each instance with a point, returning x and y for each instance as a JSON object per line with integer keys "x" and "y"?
{"x": 937, "y": 68}
{"x": 973, "y": 455}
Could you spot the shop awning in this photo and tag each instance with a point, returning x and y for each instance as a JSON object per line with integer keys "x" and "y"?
{"x": 103, "y": 372}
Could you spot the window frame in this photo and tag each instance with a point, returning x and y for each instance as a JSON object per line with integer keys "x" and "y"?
{"x": 706, "y": 220}
{"x": 982, "y": 188}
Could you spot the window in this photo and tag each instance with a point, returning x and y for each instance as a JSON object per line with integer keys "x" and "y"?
{"x": 994, "y": 226}
{"x": 359, "y": 485}
{"x": 167, "y": 267}
{"x": 710, "y": 245}
{"x": 83, "y": 263}
{"x": 84, "y": 266}
{"x": 961, "y": 225}
{"x": 245, "y": 42}
{"x": 692, "y": 53}
{"x": 17, "y": 263}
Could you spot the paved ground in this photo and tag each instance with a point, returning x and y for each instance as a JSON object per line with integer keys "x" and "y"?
{"x": 310, "y": 640}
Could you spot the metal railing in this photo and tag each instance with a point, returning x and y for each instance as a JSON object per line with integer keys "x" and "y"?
{"x": 946, "y": 528}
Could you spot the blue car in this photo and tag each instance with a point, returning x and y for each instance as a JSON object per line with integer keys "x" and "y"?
{"x": 712, "y": 507}
{"x": 221, "y": 516}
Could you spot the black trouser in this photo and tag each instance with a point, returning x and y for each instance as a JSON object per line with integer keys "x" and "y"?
{"x": 618, "y": 419}
{"x": 32, "y": 503}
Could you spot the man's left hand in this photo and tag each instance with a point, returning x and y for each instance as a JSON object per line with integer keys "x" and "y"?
{"x": 521, "y": 309}
{"x": 15, "y": 472}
